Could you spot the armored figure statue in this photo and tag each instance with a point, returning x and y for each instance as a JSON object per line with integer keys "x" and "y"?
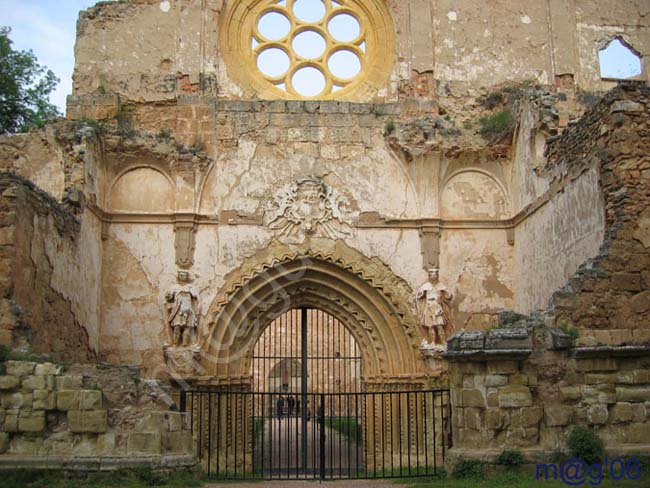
{"x": 181, "y": 315}
{"x": 432, "y": 309}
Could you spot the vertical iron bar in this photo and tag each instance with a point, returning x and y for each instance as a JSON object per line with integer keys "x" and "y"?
{"x": 200, "y": 432}
{"x": 435, "y": 451}
{"x": 321, "y": 420}
{"x": 399, "y": 430}
{"x": 425, "y": 434}
{"x": 218, "y": 432}
{"x": 209, "y": 434}
{"x": 442, "y": 409}
{"x": 451, "y": 418}
{"x": 303, "y": 384}
{"x": 408, "y": 430}
{"x": 383, "y": 431}
{"x": 263, "y": 447}
{"x": 183, "y": 400}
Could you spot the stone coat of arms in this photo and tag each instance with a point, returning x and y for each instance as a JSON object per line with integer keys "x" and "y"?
{"x": 309, "y": 207}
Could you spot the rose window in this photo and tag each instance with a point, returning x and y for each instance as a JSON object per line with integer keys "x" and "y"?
{"x": 300, "y": 49}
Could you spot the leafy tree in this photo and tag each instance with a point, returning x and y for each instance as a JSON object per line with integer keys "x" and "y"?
{"x": 25, "y": 87}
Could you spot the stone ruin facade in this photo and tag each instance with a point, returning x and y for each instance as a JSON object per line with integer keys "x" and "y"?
{"x": 189, "y": 198}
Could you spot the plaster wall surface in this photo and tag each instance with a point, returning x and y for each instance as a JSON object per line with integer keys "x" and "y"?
{"x": 143, "y": 53}
{"x": 478, "y": 271}
{"x": 556, "y": 240}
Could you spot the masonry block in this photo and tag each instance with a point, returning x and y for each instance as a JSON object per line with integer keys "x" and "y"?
{"x": 177, "y": 442}
{"x": 145, "y": 443}
{"x": 44, "y": 400}
{"x": 47, "y": 369}
{"x": 20, "y": 368}
{"x": 557, "y": 415}
{"x": 597, "y": 414}
{"x": 4, "y": 442}
{"x": 17, "y": 400}
{"x": 496, "y": 380}
{"x": 69, "y": 382}
{"x": 68, "y": 400}
{"x": 31, "y": 421}
{"x": 570, "y": 393}
{"x": 633, "y": 393}
{"x": 526, "y": 417}
{"x": 11, "y": 420}
{"x": 88, "y": 421}
{"x": 34, "y": 383}
{"x": 90, "y": 400}
{"x": 472, "y": 398}
{"x": 502, "y": 367}
{"x": 8, "y": 382}
{"x": 496, "y": 418}
{"x": 515, "y": 396}
{"x": 597, "y": 364}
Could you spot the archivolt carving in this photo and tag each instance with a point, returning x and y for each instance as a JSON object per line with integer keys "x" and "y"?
{"x": 372, "y": 270}
{"x": 323, "y": 273}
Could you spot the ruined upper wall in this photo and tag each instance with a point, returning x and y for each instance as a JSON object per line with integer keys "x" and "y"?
{"x": 50, "y": 267}
{"x": 144, "y": 51}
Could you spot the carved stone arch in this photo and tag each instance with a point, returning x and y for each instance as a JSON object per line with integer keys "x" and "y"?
{"x": 486, "y": 176}
{"x": 166, "y": 194}
{"x": 363, "y": 293}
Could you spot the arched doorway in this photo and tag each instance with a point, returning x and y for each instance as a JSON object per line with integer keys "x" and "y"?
{"x": 306, "y": 368}
{"x": 381, "y": 417}
{"x": 320, "y": 349}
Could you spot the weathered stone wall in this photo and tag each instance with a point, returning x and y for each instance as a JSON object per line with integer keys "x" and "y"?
{"x": 607, "y": 298}
{"x": 553, "y": 242}
{"x": 443, "y": 47}
{"x": 87, "y": 418}
{"x": 526, "y": 388}
{"x": 51, "y": 268}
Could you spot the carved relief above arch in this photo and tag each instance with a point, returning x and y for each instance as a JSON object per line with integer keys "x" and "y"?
{"x": 363, "y": 293}
{"x": 142, "y": 189}
{"x": 473, "y": 194}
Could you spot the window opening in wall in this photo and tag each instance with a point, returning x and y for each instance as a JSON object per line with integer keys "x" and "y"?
{"x": 309, "y": 47}
{"x": 619, "y": 61}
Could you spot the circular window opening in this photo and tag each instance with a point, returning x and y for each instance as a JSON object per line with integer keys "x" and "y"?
{"x": 347, "y": 45}
{"x": 344, "y": 28}
{"x": 344, "y": 64}
{"x": 273, "y": 62}
{"x": 274, "y": 25}
{"x": 309, "y": 10}
{"x": 308, "y": 81}
{"x": 309, "y": 45}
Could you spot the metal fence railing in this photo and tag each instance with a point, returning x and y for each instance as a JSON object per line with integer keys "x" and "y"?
{"x": 241, "y": 435}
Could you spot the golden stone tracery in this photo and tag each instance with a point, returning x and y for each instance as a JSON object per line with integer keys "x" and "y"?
{"x": 267, "y": 52}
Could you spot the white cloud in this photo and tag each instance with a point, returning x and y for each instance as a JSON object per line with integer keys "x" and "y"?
{"x": 49, "y": 29}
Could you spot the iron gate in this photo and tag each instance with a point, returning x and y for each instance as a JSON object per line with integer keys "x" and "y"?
{"x": 306, "y": 415}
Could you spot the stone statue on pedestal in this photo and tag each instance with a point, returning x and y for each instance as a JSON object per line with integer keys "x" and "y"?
{"x": 182, "y": 320}
{"x": 431, "y": 303}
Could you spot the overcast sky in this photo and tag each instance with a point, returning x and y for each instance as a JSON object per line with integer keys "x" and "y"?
{"x": 47, "y": 27}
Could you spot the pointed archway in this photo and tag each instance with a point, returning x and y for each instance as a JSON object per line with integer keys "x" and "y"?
{"x": 361, "y": 292}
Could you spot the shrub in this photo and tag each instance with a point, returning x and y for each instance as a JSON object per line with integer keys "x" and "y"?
{"x": 586, "y": 445}
{"x": 4, "y": 353}
{"x": 468, "y": 468}
{"x": 511, "y": 457}
{"x": 149, "y": 477}
{"x": 389, "y": 128}
{"x": 497, "y": 125}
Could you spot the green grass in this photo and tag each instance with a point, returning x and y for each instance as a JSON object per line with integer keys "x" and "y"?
{"x": 515, "y": 480}
{"x": 497, "y": 125}
{"x": 347, "y": 426}
{"x": 137, "y": 478}
{"x": 145, "y": 478}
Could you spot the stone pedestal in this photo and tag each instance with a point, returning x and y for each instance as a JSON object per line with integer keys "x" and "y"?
{"x": 182, "y": 361}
